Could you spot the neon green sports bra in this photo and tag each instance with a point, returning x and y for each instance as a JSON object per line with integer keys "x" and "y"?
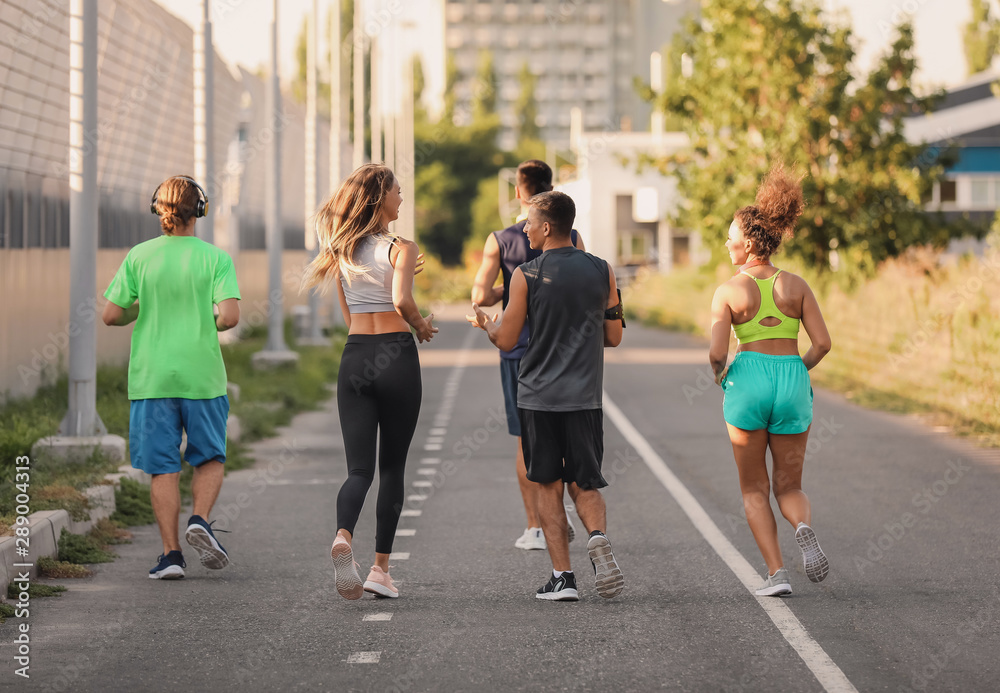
{"x": 753, "y": 331}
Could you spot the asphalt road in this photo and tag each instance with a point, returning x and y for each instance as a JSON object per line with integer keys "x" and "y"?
{"x": 906, "y": 515}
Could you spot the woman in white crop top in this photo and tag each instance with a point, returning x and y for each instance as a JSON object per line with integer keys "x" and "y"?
{"x": 378, "y": 388}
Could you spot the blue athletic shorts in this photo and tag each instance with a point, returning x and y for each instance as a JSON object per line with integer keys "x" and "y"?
{"x": 765, "y": 391}
{"x": 154, "y": 432}
{"x": 508, "y": 380}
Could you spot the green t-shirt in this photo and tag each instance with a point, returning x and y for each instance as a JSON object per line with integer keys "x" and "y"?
{"x": 175, "y": 345}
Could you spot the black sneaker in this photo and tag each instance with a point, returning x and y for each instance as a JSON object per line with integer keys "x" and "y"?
{"x": 169, "y": 567}
{"x": 608, "y": 578}
{"x": 559, "y": 589}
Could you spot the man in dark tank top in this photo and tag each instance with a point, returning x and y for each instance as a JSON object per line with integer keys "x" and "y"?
{"x": 503, "y": 253}
{"x": 571, "y": 300}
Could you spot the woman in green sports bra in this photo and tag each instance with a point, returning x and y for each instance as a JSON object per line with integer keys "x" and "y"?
{"x": 767, "y": 394}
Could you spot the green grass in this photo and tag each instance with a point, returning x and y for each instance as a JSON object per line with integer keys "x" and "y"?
{"x": 919, "y": 338}
{"x": 6, "y": 611}
{"x": 35, "y": 589}
{"x": 132, "y": 504}
{"x": 51, "y": 568}
{"x": 82, "y": 548}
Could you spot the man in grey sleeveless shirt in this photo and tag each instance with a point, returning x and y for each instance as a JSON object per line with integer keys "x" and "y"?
{"x": 572, "y": 302}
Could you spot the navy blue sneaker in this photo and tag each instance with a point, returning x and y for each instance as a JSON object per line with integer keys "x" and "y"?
{"x": 170, "y": 567}
{"x": 199, "y": 535}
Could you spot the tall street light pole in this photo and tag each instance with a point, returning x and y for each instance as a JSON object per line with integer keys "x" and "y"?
{"x": 204, "y": 142}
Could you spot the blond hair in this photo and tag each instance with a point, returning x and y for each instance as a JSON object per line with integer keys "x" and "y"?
{"x": 349, "y": 216}
{"x": 177, "y": 201}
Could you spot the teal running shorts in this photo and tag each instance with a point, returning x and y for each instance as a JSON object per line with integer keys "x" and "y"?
{"x": 765, "y": 391}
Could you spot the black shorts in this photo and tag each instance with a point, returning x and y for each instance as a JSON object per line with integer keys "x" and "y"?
{"x": 567, "y": 445}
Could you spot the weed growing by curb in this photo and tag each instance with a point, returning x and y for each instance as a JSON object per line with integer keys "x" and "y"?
{"x": 51, "y": 568}
{"x": 6, "y": 611}
{"x": 132, "y": 504}
{"x": 35, "y": 590}
{"x": 79, "y": 548}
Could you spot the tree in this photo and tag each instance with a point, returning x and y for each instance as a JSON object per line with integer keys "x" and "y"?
{"x": 419, "y": 85}
{"x": 451, "y": 77}
{"x": 484, "y": 89}
{"x": 526, "y": 106}
{"x": 982, "y": 37}
{"x": 772, "y": 81}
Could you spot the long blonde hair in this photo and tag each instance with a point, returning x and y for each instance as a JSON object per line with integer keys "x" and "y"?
{"x": 349, "y": 216}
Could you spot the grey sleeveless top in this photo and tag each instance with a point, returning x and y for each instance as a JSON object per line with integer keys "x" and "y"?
{"x": 563, "y": 366}
{"x": 371, "y": 292}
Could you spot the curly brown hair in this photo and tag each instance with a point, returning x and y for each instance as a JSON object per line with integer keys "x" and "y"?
{"x": 779, "y": 203}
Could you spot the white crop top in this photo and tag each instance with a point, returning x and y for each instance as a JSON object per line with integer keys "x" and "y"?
{"x": 371, "y": 292}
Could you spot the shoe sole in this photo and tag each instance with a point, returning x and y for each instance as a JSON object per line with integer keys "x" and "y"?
{"x": 774, "y": 591}
{"x": 566, "y": 595}
{"x": 210, "y": 553}
{"x": 348, "y": 581}
{"x": 380, "y": 590}
{"x": 174, "y": 572}
{"x": 608, "y": 578}
{"x": 813, "y": 559}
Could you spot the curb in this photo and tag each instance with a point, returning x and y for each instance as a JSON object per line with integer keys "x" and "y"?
{"x": 45, "y": 526}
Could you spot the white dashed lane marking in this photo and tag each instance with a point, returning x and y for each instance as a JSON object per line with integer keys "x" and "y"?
{"x": 406, "y": 532}
{"x": 427, "y": 471}
{"x": 422, "y": 484}
{"x": 378, "y": 617}
{"x": 416, "y": 498}
{"x": 411, "y": 513}
{"x": 364, "y": 658}
{"x": 431, "y": 460}
{"x": 399, "y": 556}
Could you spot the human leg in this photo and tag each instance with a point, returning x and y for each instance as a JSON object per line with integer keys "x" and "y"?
{"x": 552, "y": 515}
{"x": 398, "y": 392}
{"x": 165, "y": 495}
{"x": 205, "y": 486}
{"x": 750, "y": 452}
{"x": 590, "y": 507}
{"x": 787, "y": 455}
{"x": 528, "y": 489}
{"x": 358, "y": 411}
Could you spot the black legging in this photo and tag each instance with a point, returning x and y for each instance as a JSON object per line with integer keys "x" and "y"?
{"x": 378, "y": 393}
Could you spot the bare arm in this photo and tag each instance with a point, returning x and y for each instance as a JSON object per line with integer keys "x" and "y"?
{"x": 116, "y": 316}
{"x": 229, "y": 314}
{"x": 722, "y": 322}
{"x": 505, "y": 333}
{"x": 483, "y": 291}
{"x": 612, "y": 328}
{"x": 342, "y": 298}
{"x": 812, "y": 320}
{"x": 402, "y": 290}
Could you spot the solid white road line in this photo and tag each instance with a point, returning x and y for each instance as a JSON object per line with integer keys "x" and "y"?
{"x": 823, "y": 668}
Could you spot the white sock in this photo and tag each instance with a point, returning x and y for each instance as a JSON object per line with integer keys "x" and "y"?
{"x": 559, "y": 573}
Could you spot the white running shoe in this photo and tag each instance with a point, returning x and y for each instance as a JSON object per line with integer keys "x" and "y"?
{"x": 532, "y": 540}
{"x": 813, "y": 559}
{"x": 569, "y": 523}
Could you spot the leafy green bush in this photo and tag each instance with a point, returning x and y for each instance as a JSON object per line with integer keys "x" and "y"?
{"x": 132, "y": 504}
{"x": 82, "y": 548}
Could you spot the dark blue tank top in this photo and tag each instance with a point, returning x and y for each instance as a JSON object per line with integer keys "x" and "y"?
{"x": 514, "y": 252}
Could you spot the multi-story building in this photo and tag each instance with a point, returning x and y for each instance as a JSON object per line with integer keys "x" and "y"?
{"x": 585, "y": 53}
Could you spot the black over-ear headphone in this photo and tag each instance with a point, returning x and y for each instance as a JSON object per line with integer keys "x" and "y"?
{"x": 202, "y": 208}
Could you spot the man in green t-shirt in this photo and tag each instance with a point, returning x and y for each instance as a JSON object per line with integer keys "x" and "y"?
{"x": 176, "y": 375}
